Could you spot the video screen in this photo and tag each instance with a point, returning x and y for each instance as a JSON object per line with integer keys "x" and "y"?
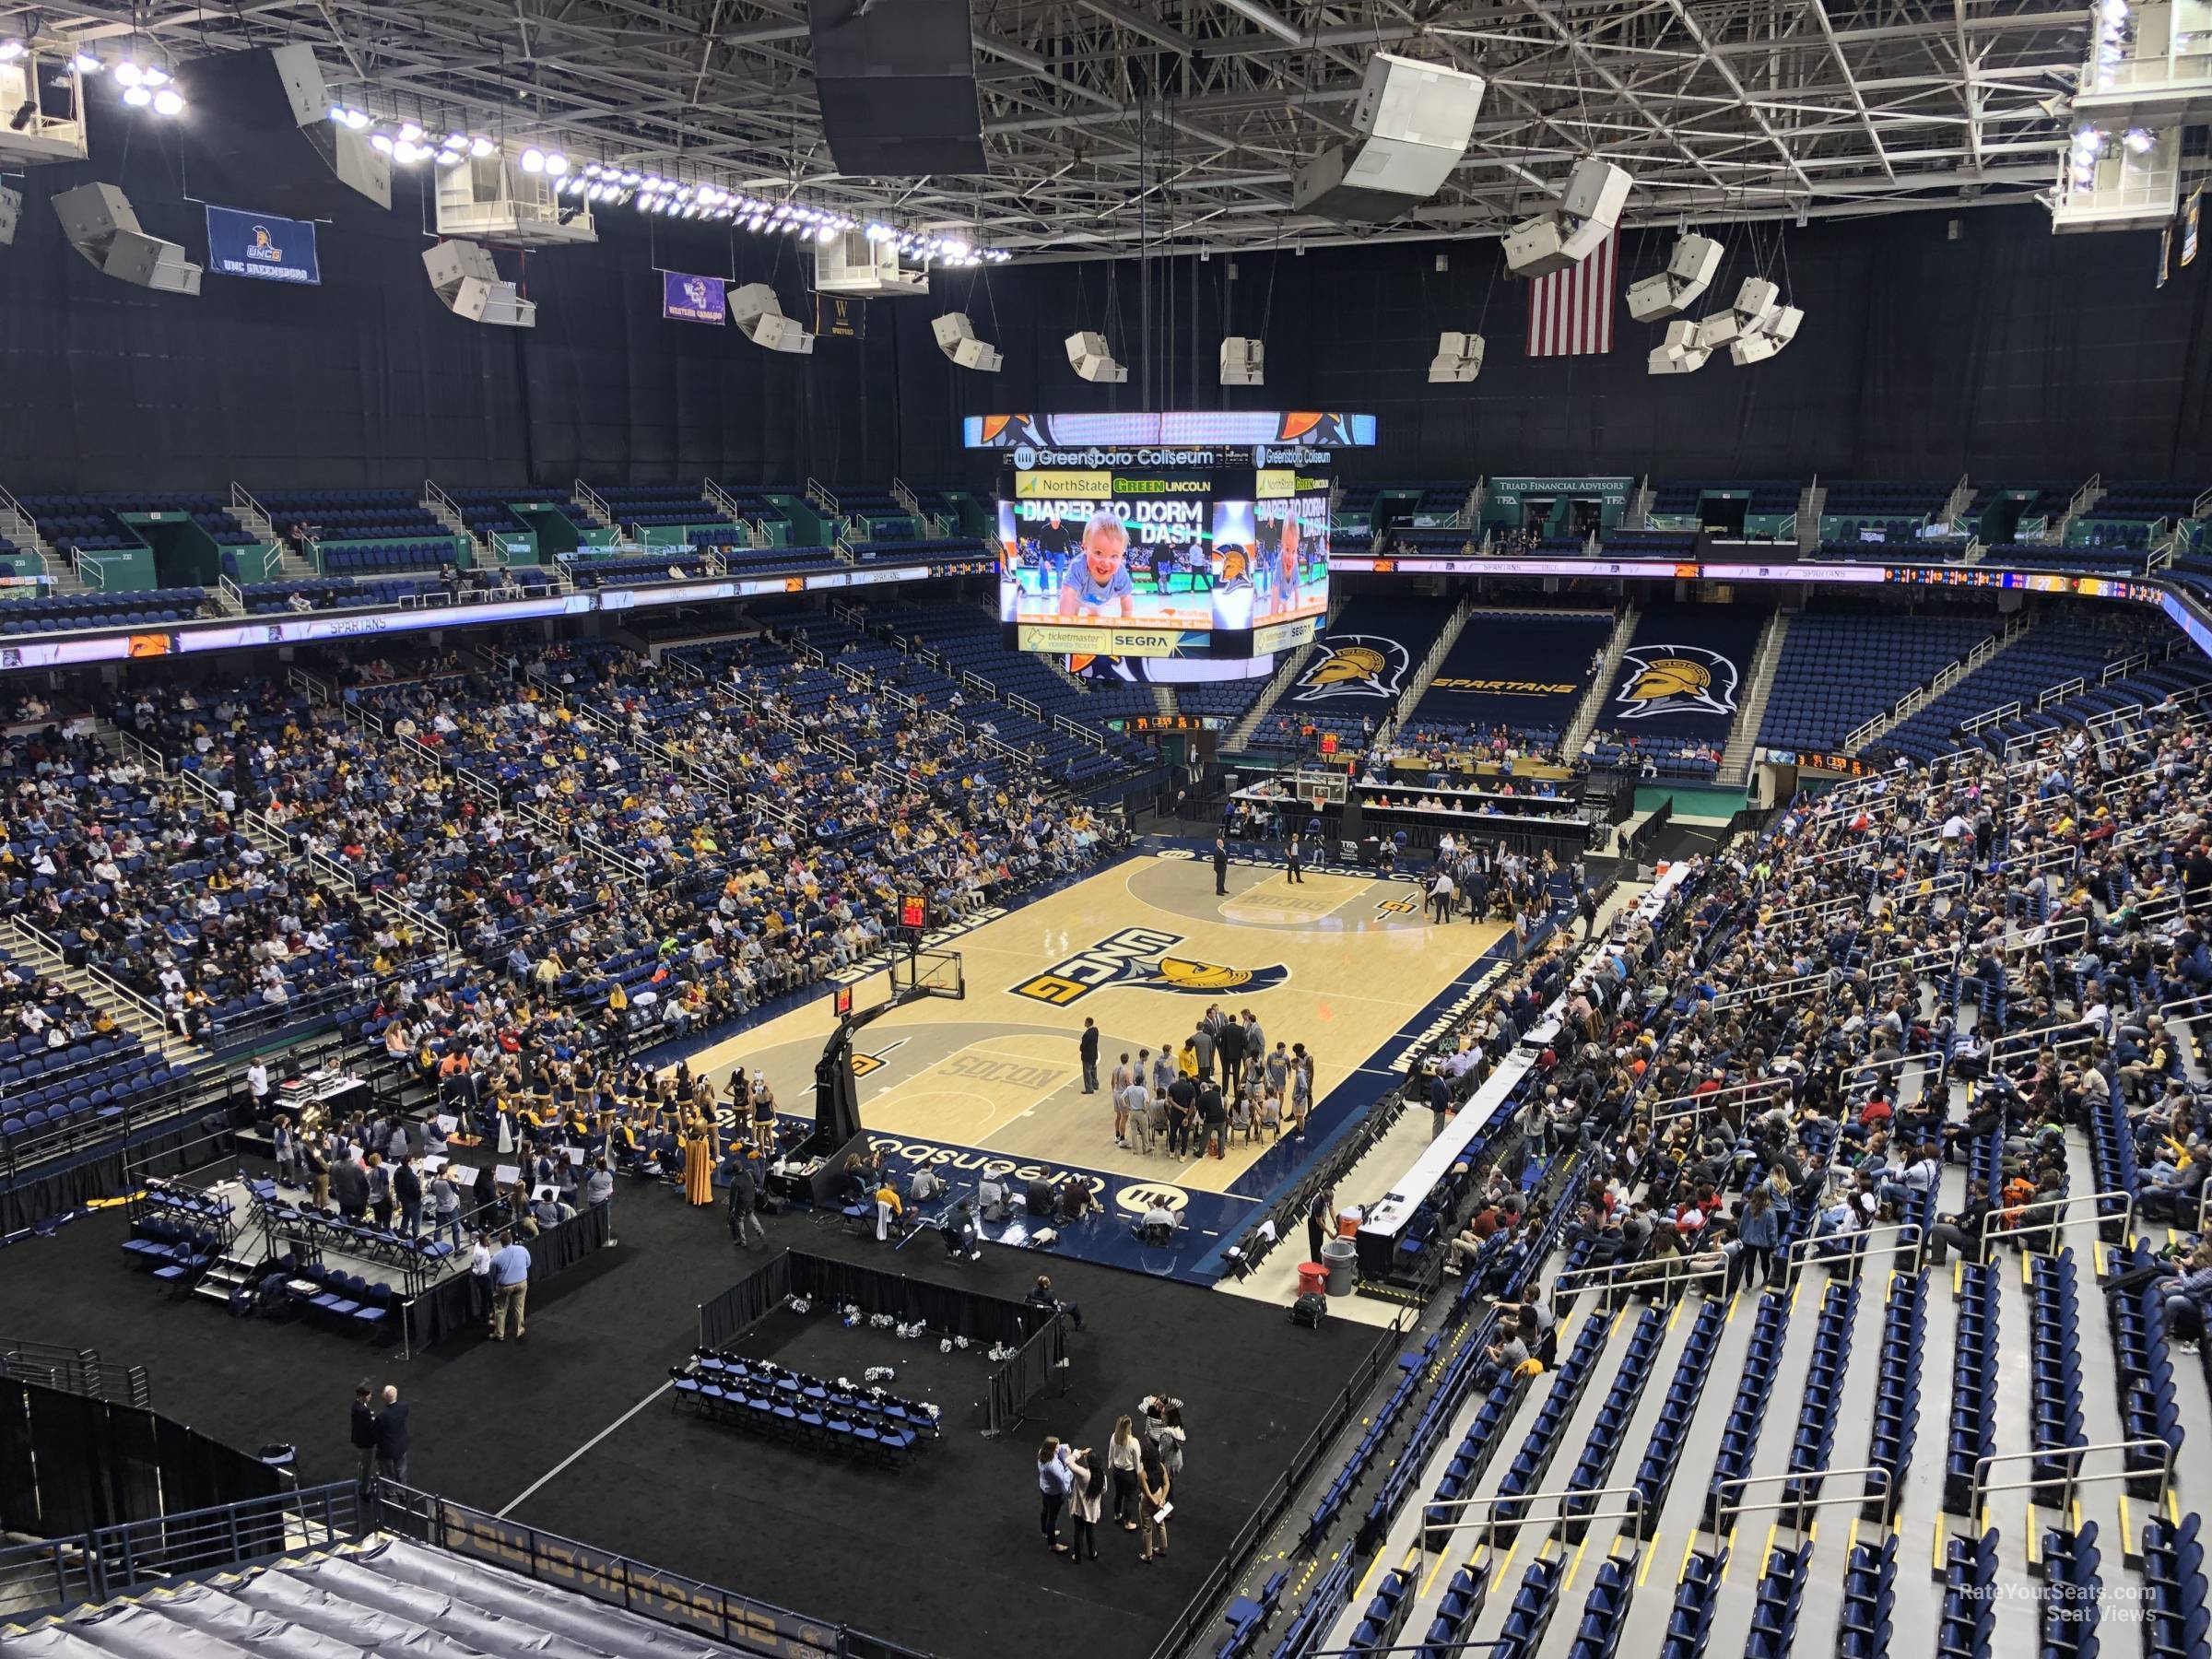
{"x": 1160, "y": 562}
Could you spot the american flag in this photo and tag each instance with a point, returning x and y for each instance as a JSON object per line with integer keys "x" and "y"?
{"x": 1570, "y": 311}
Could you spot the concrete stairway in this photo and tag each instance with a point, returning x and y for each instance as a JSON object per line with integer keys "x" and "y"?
{"x": 133, "y": 1012}
{"x": 1751, "y": 701}
{"x": 1593, "y": 706}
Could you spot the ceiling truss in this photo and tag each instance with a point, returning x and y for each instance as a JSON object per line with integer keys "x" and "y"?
{"x": 1176, "y": 126}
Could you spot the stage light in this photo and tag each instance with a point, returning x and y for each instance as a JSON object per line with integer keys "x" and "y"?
{"x": 556, "y": 164}
{"x": 169, "y": 101}
{"x": 756, "y": 223}
{"x": 137, "y": 97}
{"x": 84, "y": 62}
{"x": 410, "y": 132}
{"x": 827, "y": 234}
{"x": 10, "y": 50}
{"x": 153, "y": 74}
{"x": 357, "y": 120}
{"x": 480, "y": 147}
{"x": 2138, "y": 140}
{"x": 533, "y": 162}
{"x": 380, "y": 143}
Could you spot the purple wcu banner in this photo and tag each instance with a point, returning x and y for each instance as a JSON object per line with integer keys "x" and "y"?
{"x": 690, "y": 299}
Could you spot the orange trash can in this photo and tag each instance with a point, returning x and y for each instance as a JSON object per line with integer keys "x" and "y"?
{"x": 1312, "y": 1280}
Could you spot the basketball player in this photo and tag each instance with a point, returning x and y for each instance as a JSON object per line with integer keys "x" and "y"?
{"x": 1099, "y": 583}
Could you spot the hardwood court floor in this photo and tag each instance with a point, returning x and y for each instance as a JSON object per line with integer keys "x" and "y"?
{"x": 1340, "y": 963}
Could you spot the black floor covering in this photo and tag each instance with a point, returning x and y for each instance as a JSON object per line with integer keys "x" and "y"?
{"x": 945, "y": 1556}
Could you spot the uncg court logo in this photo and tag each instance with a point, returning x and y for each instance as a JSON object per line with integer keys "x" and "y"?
{"x": 1674, "y": 679}
{"x": 1138, "y": 956}
{"x": 1141, "y": 1196}
{"x": 262, "y": 246}
{"x": 1354, "y": 666}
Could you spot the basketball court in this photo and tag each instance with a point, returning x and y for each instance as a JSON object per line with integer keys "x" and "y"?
{"x": 990, "y": 1079}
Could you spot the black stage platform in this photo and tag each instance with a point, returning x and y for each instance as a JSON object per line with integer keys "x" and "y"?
{"x": 944, "y": 1554}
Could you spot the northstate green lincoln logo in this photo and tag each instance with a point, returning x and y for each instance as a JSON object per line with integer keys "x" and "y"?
{"x": 1138, "y": 956}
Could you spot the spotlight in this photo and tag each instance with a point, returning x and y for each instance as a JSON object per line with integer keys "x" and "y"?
{"x": 10, "y": 50}
{"x": 84, "y": 62}
{"x": 169, "y": 101}
{"x": 357, "y": 120}
{"x": 556, "y": 164}
{"x": 533, "y": 162}
{"x": 480, "y": 147}
{"x": 153, "y": 74}
{"x": 137, "y": 97}
{"x": 410, "y": 131}
{"x": 2138, "y": 140}
{"x": 381, "y": 142}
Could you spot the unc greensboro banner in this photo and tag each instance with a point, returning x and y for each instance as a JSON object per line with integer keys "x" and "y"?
{"x": 688, "y": 299}
{"x": 260, "y": 245}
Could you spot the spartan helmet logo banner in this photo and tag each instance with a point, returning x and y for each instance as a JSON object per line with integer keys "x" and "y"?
{"x": 1354, "y": 666}
{"x": 1674, "y": 679}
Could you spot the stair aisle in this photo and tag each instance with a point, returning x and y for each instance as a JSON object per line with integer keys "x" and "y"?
{"x": 1463, "y": 1549}
{"x": 2014, "y": 1629}
{"x": 1601, "y": 1538}
{"x": 1920, "y": 1505}
{"x": 1747, "y": 1538}
{"x": 1832, "y": 1533}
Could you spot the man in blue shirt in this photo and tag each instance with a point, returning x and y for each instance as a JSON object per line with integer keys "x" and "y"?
{"x": 511, "y": 1286}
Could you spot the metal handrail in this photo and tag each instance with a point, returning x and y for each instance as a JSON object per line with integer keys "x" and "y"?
{"x": 1634, "y": 1509}
{"x": 1725, "y": 1514}
{"x": 1615, "y": 1273}
{"x": 2068, "y": 1483}
{"x": 2052, "y": 1211}
{"x": 1853, "y": 1247}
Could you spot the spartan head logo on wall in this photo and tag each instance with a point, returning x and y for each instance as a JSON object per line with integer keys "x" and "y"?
{"x": 1354, "y": 666}
{"x": 1674, "y": 680}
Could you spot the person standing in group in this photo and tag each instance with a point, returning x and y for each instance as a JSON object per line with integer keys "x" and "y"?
{"x": 1230, "y": 1044}
{"x": 744, "y": 1207}
{"x": 288, "y": 1150}
{"x": 445, "y": 1208}
{"x": 1202, "y": 1048}
{"x": 1320, "y": 1219}
{"x": 1124, "y": 1452}
{"x": 1083, "y": 1498}
{"x": 698, "y": 1160}
{"x": 1440, "y": 893}
{"x": 509, "y": 1287}
{"x": 1088, "y": 1048}
{"x": 479, "y": 1277}
{"x": 1154, "y": 1486}
{"x": 1221, "y": 866}
{"x": 1294, "y": 853}
{"x": 392, "y": 1439}
{"x": 407, "y": 1192}
{"x": 599, "y": 1192}
{"x": 1586, "y": 907}
{"x": 1133, "y": 1116}
{"x": 379, "y": 1178}
{"x": 364, "y": 1440}
{"x": 1054, "y": 1484}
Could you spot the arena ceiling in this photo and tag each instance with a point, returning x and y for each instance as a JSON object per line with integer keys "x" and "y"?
{"x": 1112, "y": 124}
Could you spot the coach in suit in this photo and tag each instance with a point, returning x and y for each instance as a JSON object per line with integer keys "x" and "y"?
{"x": 1220, "y": 865}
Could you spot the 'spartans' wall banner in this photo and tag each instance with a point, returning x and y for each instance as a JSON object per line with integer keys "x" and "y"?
{"x": 260, "y": 245}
